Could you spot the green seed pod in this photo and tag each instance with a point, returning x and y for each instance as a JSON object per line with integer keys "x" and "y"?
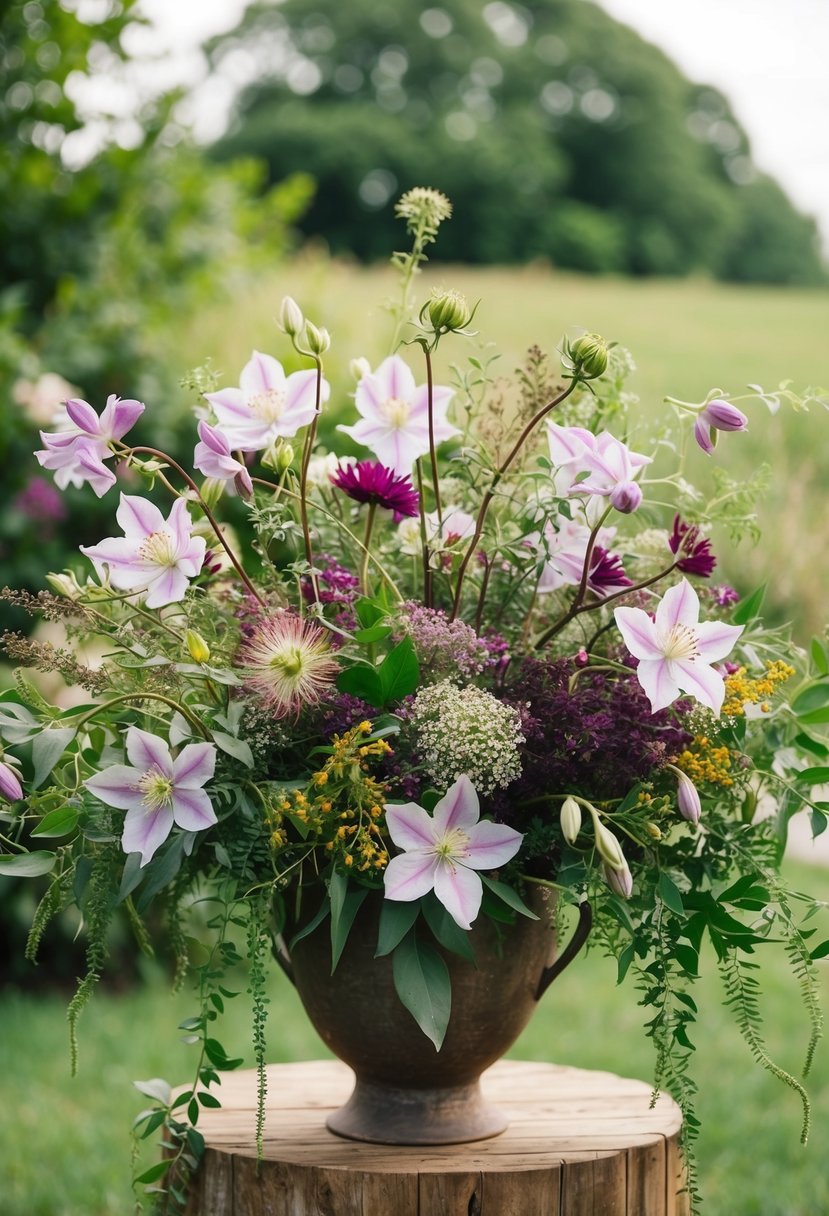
{"x": 589, "y": 356}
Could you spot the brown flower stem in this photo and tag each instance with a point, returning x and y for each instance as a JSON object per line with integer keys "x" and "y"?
{"x": 427, "y": 569}
{"x": 479, "y": 614}
{"x": 493, "y": 486}
{"x": 211, "y": 519}
{"x": 310, "y": 439}
{"x": 430, "y": 390}
{"x": 578, "y": 598}
{"x": 572, "y": 612}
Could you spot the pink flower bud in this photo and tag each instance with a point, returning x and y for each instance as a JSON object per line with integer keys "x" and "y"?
{"x": 626, "y": 497}
{"x": 687, "y": 797}
{"x": 10, "y": 786}
{"x": 619, "y": 881}
{"x": 724, "y": 416}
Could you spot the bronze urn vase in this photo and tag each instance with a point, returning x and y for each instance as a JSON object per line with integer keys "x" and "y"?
{"x": 406, "y": 1091}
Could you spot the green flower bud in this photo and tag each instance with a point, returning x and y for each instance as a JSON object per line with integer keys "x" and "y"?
{"x": 448, "y": 311}
{"x": 589, "y": 356}
{"x": 211, "y": 491}
{"x": 199, "y": 650}
{"x": 570, "y": 820}
{"x": 317, "y": 340}
{"x": 290, "y": 317}
{"x": 608, "y": 846}
{"x": 653, "y": 830}
{"x": 359, "y": 368}
{"x": 279, "y": 456}
{"x": 64, "y": 584}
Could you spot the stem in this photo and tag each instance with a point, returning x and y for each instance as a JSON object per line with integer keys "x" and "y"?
{"x": 211, "y": 519}
{"x": 479, "y": 614}
{"x": 493, "y": 485}
{"x": 372, "y": 510}
{"x": 432, "y": 453}
{"x": 427, "y": 569}
{"x": 144, "y": 696}
{"x": 574, "y": 612}
{"x": 310, "y": 438}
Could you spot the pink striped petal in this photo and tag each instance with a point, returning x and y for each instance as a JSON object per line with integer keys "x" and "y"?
{"x": 146, "y": 830}
{"x": 410, "y": 827}
{"x": 260, "y": 374}
{"x": 715, "y": 640}
{"x": 419, "y": 406}
{"x": 369, "y": 398}
{"x": 180, "y": 524}
{"x": 168, "y": 588}
{"x": 679, "y": 606}
{"x": 147, "y": 752}
{"x": 138, "y": 517}
{"x": 119, "y": 555}
{"x": 410, "y": 875}
{"x": 94, "y": 470}
{"x": 702, "y": 434}
{"x": 192, "y": 809}
{"x": 83, "y": 416}
{"x": 395, "y": 379}
{"x": 120, "y": 416}
{"x": 117, "y": 786}
{"x": 229, "y": 406}
{"x": 458, "y": 808}
{"x": 191, "y": 560}
{"x": 491, "y": 845}
{"x": 194, "y": 765}
{"x": 638, "y": 633}
{"x": 398, "y": 450}
{"x": 701, "y": 681}
{"x": 213, "y": 439}
{"x": 658, "y": 681}
{"x": 460, "y": 891}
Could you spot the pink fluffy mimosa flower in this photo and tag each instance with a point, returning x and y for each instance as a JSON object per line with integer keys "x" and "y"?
{"x": 288, "y": 663}
{"x": 442, "y": 852}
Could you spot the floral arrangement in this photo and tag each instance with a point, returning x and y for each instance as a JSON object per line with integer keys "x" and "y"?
{"x": 489, "y": 655}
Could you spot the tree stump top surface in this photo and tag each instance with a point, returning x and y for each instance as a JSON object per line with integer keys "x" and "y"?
{"x": 579, "y": 1143}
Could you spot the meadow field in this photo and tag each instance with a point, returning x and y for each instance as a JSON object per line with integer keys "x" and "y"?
{"x": 65, "y": 1143}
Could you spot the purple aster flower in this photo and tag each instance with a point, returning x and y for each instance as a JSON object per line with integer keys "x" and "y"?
{"x": 725, "y": 595}
{"x": 606, "y": 572}
{"x": 40, "y": 502}
{"x": 446, "y": 649}
{"x": 371, "y": 482}
{"x": 697, "y": 557}
{"x": 337, "y": 584}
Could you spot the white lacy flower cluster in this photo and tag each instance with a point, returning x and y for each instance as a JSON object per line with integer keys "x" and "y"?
{"x": 467, "y": 731}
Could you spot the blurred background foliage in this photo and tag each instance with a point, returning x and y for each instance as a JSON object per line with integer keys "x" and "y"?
{"x": 557, "y": 132}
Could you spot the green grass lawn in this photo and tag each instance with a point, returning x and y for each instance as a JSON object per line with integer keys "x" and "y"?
{"x": 66, "y": 1145}
{"x": 687, "y": 336}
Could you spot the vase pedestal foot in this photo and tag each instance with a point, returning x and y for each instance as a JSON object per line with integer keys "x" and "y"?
{"x": 385, "y": 1114}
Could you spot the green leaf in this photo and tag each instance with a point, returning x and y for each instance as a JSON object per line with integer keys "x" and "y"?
{"x": 308, "y": 929}
{"x": 399, "y": 672}
{"x": 819, "y": 823}
{"x": 132, "y": 876}
{"x": 670, "y": 894}
{"x": 208, "y": 1100}
{"x": 814, "y": 776}
{"x": 377, "y": 633}
{"x": 154, "y": 1172}
{"x": 161, "y": 871}
{"x": 396, "y": 919}
{"x": 47, "y": 749}
{"x": 27, "y": 865}
{"x": 363, "y": 681}
{"x": 815, "y": 716}
{"x": 687, "y": 958}
{"x": 60, "y": 822}
{"x": 748, "y": 608}
{"x": 156, "y": 1088}
{"x": 508, "y": 896}
{"x": 820, "y": 951}
{"x": 446, "y": 929}
{"x": 623, "y": 962}
{"x": 813, "y": 696}
{"x": 345, "y": 904}
{"x": 807, "y": 744}
{"x": 421, "y": 980}
{"x": 820, "y": 661}
{"x": 234, "y": 747}
{"x": 369, "y": 612}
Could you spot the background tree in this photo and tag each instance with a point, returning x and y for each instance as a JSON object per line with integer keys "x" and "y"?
{"x": 557, "y": 132}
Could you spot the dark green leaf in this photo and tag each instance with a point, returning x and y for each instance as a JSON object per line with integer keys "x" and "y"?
{"x": 819, "y": 822}
{"x": 820, "y": 951}
{"x": 27, "y": 865}
{"x": 670, "y": 894}
{"x": 396, "y": 919}
{"x": 687, "y": 958}
{"x": 369, "y": 612}
{"x": 133, "y": 873}
{"x": 345, "y": 903}
{"x": 399, "y": 672}
{"x": 508, "y": 896}
{"x": 59, "y": 822}
{"x": 807, "y": 744}
{"x": 234, "y": 747}
{"x": 421, "y": 980}
{"x": 377, "y": 633}
{"x": 815, "y": 717}
{"x": 748, "y": 608}
{"x": 208, "y": 1100}
{"x": 814, "y": 696}
{"x": 154, "y": 1172}
{"x": 161, "y": 871}
{"x": 47, "y": 749}
{"x": 308, "y": 929}
{"x": 814, "y": 776}
{"x": 446, "y": 929}
{"x": 624, "y": 961}
{"x": 819, "y": 657}
{"x": 363, "y": 681}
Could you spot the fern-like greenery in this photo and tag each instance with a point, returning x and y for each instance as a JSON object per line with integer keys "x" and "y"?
{"x": 258, "y": 949}
{"x": 99, "y": 909}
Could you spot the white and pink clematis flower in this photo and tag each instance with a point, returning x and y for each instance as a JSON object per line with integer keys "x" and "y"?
{"x": 564, "y": 550}
{"x": 442, "y": 852}
{"x": 267, "y": 405}
{"x": 157, "y": 791}
{"x": 156, "y": 557}
{"x": 394, "y": 415}
{"x": 214, "y": 458}
{"x": 77, "y": 453}
{"x": 454, "y": 525}
{"x": 676, "y": 650}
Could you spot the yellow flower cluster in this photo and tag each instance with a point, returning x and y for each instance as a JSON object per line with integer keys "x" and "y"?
{"x": 342, "y": 807}
{"x": 706, "y": 762}
{"x": 741, "y": 688}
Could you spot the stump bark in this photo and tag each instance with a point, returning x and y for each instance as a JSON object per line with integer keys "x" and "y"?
{"x": 579, "y": 1144}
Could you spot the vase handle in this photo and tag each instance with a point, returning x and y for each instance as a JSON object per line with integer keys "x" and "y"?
{"x": 570, "y": 951}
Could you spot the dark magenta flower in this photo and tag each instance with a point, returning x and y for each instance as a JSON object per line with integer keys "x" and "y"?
{"x": 697, "y": 557}
{"x": 607, "y": 573}
{"x": 725, "y": 595}
{"x": 371, "y": 482}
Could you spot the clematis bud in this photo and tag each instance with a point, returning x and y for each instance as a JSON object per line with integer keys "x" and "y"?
{"x": 317, "y": 340}
{"x": 199, "y": 650}
{"x": 448, "y": 311}
{"x": 626, "y": 497}
{"x": 589, "y": 356}
{"x": 359, "y": 367}
{"x": 64, "y": 584}
{"x": 653, "y": 830}
{"x": 608, "y": 846}
{"x": 570, "y": 820}
{"x": 687, "y": 797}
{"x": 619, "y": 881}
{"x": 290, "y": 318}
{"x": 279, "y": 456}
{"x": 10, "y": 787}
{"x": 724, "y": 416}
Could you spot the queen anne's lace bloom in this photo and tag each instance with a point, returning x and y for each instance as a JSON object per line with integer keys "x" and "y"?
{"x": 467, "y": 730}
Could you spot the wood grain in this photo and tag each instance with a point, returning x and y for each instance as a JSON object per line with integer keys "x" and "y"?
{"x": 579, "y": 1144}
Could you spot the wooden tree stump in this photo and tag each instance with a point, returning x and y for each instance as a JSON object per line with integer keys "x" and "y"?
{"x": 579, "y": 1144}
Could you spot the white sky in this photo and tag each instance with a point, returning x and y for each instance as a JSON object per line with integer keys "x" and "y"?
{"x": 770, "y": 57}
